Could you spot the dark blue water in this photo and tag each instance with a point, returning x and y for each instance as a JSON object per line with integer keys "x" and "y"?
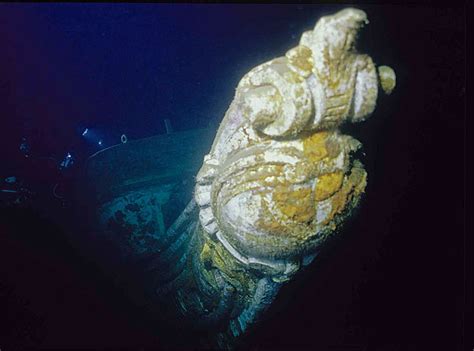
{"x": 394, "y": 284}
{"x": 124, "y": 68}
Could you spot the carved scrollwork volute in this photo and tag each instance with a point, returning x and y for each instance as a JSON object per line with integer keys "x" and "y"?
{"x": 277, "y": 100}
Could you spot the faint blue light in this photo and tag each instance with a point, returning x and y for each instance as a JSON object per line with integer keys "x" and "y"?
{"x": 100, "y": 142}
{"x": 85, "y": 131}
{"x": 66, "y": 162}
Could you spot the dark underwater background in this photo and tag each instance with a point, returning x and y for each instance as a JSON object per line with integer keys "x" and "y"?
{"x": 395, "y": 281}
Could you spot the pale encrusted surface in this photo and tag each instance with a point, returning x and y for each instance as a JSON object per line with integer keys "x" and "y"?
{"x": 279, "y": 176}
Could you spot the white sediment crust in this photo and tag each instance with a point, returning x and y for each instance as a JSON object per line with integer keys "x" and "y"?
{"x": 273, "y": 155}
{"x": 203, "y": 195}
{"x": 339, "y": 161}
{"x": 319, "y": 98}
{"x": 243, "y": 209}
{"x": 206, "y": 216}
{"x": 365, "y": 81}
{"x": 211, "y": 228}
{"x": 323, "y": 210}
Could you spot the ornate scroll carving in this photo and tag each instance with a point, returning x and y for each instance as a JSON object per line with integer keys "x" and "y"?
{"x": 279, "y": 178}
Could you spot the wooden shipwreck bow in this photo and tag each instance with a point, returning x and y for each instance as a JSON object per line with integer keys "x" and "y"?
{"x": 278, "y": 181}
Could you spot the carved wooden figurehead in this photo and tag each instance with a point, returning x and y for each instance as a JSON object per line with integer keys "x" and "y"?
{"x": 278, "y": 181}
